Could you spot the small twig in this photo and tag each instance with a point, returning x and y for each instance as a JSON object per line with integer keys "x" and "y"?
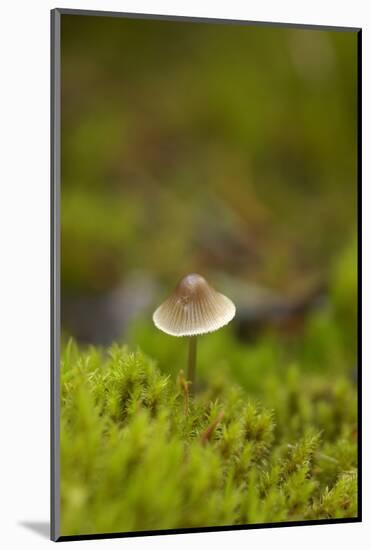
{"x": 184, "y": 385}
{"x": 206, "y": 435}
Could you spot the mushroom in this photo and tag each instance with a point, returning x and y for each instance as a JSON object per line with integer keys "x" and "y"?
{"x": 193, "y": 308}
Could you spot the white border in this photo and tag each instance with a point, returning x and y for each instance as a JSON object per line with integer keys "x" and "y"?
{"x": 25, "y": 286}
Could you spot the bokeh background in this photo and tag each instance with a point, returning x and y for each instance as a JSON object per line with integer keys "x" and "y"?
{"x": 228, "y": 150}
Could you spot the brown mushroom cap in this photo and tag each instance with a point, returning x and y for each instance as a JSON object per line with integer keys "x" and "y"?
{"x": 194, "y": 308}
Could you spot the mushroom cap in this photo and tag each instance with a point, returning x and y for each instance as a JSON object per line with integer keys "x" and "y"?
{"x": 194, "y": 308}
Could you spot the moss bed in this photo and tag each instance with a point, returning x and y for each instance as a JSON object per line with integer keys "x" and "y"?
{"x": 139, "y": 453}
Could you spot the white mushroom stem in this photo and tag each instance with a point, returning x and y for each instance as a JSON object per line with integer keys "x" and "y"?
{"x": 192, "y": 356}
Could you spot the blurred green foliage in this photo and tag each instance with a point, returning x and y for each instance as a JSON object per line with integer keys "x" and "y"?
{"x": 199, "y": 147}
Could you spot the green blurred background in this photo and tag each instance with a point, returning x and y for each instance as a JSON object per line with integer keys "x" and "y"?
{"x": 228, "y": 150}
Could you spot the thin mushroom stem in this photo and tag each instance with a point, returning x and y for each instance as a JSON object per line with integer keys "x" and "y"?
{"x": 192, "y": 356}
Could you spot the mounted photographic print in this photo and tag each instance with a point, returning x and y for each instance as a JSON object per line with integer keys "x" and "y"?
{"x": 205, "y": 284}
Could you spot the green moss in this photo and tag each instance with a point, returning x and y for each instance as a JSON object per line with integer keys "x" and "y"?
{"x": 135, "y": 455}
